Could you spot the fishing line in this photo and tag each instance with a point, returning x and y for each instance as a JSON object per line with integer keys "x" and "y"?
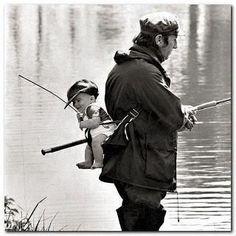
{"x": 177, "y": 196}
{"x": 47, "y": 90}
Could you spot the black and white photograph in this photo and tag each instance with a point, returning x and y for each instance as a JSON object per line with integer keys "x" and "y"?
{"x": 117, "y": 117}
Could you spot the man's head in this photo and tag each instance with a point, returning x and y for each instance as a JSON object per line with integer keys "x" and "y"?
{"x": 158, "y": 30}
{"x": 82, "y": 93}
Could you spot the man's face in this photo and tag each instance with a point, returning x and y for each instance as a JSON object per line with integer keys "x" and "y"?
{"x": 167, "y": 49}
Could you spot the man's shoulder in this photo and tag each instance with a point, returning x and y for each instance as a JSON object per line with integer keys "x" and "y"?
{"x": 144, "y": 69}
{"x": 135, "y": 70}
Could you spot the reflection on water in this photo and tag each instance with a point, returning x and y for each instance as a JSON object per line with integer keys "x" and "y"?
{"x": 55, "y": 45}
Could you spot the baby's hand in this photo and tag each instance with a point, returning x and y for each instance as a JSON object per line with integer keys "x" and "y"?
{"x": 79, "y": 117}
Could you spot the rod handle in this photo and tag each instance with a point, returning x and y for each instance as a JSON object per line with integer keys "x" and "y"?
{"x": 45, "y": 151}
{"x": 205, "y": 105}
{"x": 64, "y": 146}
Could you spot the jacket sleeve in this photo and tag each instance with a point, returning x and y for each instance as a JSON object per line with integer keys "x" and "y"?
{"x": 154, "y": 96}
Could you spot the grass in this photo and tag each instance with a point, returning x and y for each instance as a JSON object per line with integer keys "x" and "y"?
{"x": 14, "y": 220}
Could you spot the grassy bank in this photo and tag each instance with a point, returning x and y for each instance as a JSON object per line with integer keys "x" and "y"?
{"x": 16, "y": 220}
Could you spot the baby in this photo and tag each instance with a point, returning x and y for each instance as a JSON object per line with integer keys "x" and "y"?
{"x": 83, "y": 95}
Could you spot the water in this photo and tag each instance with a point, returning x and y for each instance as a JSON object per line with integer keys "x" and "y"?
{"x": 55, "y": 45}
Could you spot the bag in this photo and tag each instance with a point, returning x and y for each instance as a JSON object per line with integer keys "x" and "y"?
{"x": 115, "y": 146}
{"x": 116, "y": 141}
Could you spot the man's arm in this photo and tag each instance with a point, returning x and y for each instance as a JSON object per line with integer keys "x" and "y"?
{"x": 158, "y": 99}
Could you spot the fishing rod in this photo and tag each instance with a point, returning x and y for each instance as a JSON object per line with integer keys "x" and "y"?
{"x": 54, "y": 94}
{"x": 64, "y": 146}
{"x": 200, "y": 107}
{"x": 211, "y": 104}
{"x": 47, "y": 90}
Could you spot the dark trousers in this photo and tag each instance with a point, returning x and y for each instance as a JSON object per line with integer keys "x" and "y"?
{"x": 141, "y": 209}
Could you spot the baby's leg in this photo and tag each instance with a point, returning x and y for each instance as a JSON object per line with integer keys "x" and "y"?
{"x": 88, "y": 159}
{"x": 97, "y": 150}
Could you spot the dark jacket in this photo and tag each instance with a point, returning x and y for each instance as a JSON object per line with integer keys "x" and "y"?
{"x": 138, "y": 80}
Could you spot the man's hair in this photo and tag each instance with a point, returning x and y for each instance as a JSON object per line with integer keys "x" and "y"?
{"x": 151, "y": 25}
{"x": 147, "y": 40}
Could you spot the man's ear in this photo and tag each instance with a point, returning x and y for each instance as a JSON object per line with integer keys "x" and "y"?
{"x": 159, "y": 40}
{"x": 92, "y": 98}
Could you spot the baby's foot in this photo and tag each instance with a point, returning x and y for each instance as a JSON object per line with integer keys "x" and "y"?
{"x": 96, "y": 165}
{"x": 84, "y": 165}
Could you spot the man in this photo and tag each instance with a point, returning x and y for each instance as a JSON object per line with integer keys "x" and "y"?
{"x": 145, "y": 169}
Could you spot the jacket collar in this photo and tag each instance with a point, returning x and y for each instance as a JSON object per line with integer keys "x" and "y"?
{"x": 151, "y": 55}
{"x": 151, "y": 52}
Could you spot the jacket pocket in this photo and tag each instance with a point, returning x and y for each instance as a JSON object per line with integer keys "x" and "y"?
{"x": 160, "y": 164}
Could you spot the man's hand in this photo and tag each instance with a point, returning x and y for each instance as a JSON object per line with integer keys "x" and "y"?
{"x": 189, "y": 117}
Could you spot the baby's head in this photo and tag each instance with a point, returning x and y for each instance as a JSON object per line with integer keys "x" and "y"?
{"x": 81, "y": 94}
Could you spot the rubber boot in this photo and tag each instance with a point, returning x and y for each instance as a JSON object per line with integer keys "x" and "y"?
{"x": 121, "y": 218}
{"x": 154, "y": 218}
{"x": 129, "y": 219}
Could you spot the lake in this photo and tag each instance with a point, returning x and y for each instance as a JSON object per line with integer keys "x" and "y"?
{"x": 55, "y": 45}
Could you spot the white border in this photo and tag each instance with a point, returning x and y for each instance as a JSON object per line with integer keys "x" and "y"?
{"x": 117, "y": 2}
{"x": 5, "y": 2}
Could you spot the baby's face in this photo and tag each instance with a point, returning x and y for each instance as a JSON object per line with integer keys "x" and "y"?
{"x": 82, "y": 100}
